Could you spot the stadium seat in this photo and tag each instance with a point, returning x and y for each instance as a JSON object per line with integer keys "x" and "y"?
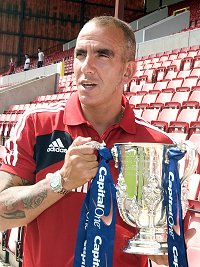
{"x": 186, "y": 63}
{"x": 196, "y": 62}
{"x": 161, "y": 85}
{"x": 138, "y": 111}
{"x": 194, "y": 127}
{"x": 167, "y": 63}
{"x": 194, "y": 96}
{"x": 150, "y": 97}
{"x": 148, "y": 86}
{"x": 195, "y": 72}
{"x": 164, "y": 58}
{"x": 183, "y": 73}
{"x": 150, "y": 114}
{"x": 135, "y": 88}
{"x": 134, "y": 81}
{"x": 164, "y": 118}
{"x": 190, "y": 81}
{"x": 162, "y": 98}
{"x": 175, "y": 82}
{"x": 182, "y": 54}
{"x": 193, "y": 100}
{"x": 172, "y": 56}
{"x": 183, "y": 120}
{"x": 150, "y": 73}
{"x": 160, "y": 73}
{"x": 139, "y": 73}
{"x": 177, "y": 62}
{"x": 195, "y": 88}
{"x": 170, "y": 73}
{"x": 135, "y": 99}
{"x": 192, "y": 53}
{"x": 178, "y": 98}
{"x": 155, "y": 59}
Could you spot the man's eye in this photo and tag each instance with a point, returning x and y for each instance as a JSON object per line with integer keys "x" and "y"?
{"x": 103, "y": 55}
{"x": 80, "y": 55}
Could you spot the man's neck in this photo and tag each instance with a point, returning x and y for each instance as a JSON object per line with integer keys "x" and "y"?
{"x": 103, "y": 119}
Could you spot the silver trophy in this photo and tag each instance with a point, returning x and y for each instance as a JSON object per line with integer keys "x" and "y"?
{"x": 140, "y": 195}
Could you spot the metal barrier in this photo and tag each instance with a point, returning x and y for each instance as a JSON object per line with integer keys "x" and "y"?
{"x": 12, "y": 257}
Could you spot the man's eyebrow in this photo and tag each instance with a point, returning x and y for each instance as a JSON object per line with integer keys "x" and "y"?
{"x": 105, "y": 51}
{"x": 79, "y": 50}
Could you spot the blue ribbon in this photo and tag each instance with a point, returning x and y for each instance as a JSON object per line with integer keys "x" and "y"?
{"x": 177, "y": 256}
{"x": 96, "y": 232}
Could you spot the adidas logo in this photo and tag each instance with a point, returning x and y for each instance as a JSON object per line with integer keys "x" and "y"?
{"x": 57, "y": 146}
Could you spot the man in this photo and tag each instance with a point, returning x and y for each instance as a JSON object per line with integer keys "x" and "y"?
{"x": 27, "y": 63}
{"x": 40, "y": 58}
{"x": 11, "y": 66}
{"x": 48, "y": 153}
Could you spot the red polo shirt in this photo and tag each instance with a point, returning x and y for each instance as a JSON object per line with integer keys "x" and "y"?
{"x": 38, "y": 147}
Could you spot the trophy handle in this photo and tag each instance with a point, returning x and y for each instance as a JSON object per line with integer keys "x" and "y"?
{"x": 193, "y": 158}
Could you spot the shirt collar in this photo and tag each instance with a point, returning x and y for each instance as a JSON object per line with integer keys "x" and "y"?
{"x": 73, "y": 114}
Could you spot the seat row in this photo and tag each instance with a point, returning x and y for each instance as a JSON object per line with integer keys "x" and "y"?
{"x": 142, "y": 84}
{"x": 183, "y": 97}
{"x": 172, "y": 119}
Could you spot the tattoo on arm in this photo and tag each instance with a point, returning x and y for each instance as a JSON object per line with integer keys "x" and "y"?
{"x": 34, "y": 201}
{"x": 18, "y": 214}
{"x": 15, "y": 208}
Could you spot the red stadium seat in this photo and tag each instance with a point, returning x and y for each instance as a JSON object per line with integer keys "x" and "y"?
{"x": 178, "y": 98}
{"x": 148, "y": 86}
{"x": 135, "y": 99}
{"x": 150, "y": 114}
{"x": 162, "y": 98}
{"x": 187, "y": 63}
{"x": 172, "y": 56}
{"x": 164, "y": 58}
{"x": 163, "y": 84}
{"x": 175, "y": 82}
{"x": 135, "y": 88}
{"x": 160, "y": 73}
{"x": 195, "y": 72}
{"x": 183, "y": 120}
{"x": 183, "y": 73}
{"x": 182, "y": 54}
{"x": 138, "y": 111}
{"x": 192, "y": 53}
{"x": 190, "y": 81}
{"x": 196, "y": 62}
{"x": 167, "y": 63}
{"x": 164, "y": 118}
{"x": 150, "y": 73}
{"x": 150, "y": 97}
{"x": 177, "y": 62}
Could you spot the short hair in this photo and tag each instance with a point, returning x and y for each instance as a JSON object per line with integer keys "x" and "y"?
{"x": 128, "y": 32}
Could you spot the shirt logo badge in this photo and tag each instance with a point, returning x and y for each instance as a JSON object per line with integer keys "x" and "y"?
{"x": 57, "y": 146}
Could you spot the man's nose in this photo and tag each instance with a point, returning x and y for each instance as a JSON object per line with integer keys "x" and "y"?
{"x": 88, "y": 65}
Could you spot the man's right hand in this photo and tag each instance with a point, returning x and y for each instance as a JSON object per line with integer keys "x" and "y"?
{"x": 80, "y": 164}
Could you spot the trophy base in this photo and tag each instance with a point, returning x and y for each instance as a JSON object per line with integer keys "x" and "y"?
{"x": 146, "y": 247}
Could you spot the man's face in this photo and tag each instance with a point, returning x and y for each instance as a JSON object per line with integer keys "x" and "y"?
{"x": 99, "y": 65}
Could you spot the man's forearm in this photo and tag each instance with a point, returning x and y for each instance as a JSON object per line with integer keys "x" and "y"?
{"x": 20, "y": 205}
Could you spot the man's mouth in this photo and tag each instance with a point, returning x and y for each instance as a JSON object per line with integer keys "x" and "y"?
{"x": 88, "y": 85}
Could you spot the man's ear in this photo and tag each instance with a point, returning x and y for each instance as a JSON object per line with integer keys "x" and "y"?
{"x": 129, "y": 72}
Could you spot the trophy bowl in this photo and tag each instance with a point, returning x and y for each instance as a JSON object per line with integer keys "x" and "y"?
{"x": 140, "y": 192}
